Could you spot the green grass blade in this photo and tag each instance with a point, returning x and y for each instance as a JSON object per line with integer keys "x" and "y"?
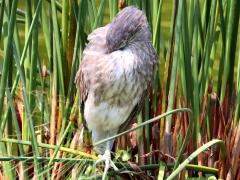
{"x": 140, "y": 136}
{"x": 8, "y": 54}
{"x": 7, "y": 166}
{"x": 207, "y": 50}
{"x": 100, "y": 14}
{"x": 196, "y": 153}
{"x": 18, "y": 132}
{"x": 59, "y": 143}
{"x": 76, "y": 55}
{"x": 173, "y": 79}
{"x": 27, "y": 43}
{"x": 34, "y": 57}
{"x": 58, "y": 44}
{"x": 231, "y": 42}
{"x": 45, "y": 28}
{"x": 48, "y": 146}
{"x": 29, "y": 115}
{"x": 237, "y": 110}
{"x": 1, "y": 16}
{"x": 161, "y": 170}
{"x": 195, "y": 65}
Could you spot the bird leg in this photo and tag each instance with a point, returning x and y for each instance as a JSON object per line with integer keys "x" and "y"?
{"x": 106, "y": 157}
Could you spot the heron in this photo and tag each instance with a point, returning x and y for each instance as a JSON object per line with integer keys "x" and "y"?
{"x": 114, "y": 76}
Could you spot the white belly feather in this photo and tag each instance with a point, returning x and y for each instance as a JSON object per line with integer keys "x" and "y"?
{"x": 104, "y": 116}
{"x": 107, "y": 116}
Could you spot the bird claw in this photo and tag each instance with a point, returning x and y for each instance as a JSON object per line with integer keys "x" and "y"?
{"x": 108, "y": 163}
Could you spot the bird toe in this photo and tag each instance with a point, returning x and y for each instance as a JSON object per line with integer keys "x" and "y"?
{"x": 106, "y": 158}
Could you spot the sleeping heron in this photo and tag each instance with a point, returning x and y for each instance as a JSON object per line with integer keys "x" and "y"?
{"x": 114, "y": 76}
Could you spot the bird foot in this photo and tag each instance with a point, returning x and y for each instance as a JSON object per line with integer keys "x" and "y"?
{"x": 106, "y": 157}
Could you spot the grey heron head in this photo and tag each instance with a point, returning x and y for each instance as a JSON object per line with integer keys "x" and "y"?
{"x": 125, "y": 27}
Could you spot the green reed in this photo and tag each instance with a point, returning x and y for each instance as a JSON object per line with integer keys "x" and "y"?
{"x": 199, "y": 54}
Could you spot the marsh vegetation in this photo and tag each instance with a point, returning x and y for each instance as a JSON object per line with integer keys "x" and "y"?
{"x": 189, "y": 126}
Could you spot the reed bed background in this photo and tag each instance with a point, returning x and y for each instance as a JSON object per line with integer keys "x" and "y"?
{"x": 189, "y": 126}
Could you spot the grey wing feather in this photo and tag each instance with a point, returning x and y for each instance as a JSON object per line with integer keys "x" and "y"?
{"x": 80, "y": 80}
{"x": 136, "y": 110}
{"x": 94, "y": 50}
